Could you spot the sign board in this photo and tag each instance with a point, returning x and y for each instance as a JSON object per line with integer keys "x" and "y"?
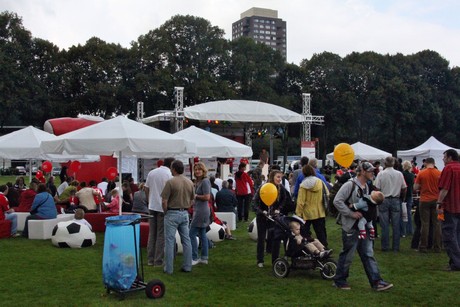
{"x": 308, "y": 149}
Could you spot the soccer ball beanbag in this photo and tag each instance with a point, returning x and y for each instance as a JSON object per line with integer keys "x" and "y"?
{"x": 73, "y": 235}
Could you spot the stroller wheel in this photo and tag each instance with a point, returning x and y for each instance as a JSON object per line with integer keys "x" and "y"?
{"x": 281, "y": 268}
{"x": 155, "y": 289}
{"x": 329, "y": 269}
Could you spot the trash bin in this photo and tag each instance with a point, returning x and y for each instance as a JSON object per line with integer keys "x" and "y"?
{"x": 121, "y": 251}
{"x": 122, "y": 269}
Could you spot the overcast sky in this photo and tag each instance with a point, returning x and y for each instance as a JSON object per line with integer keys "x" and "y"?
{"x": 313, "y": 26}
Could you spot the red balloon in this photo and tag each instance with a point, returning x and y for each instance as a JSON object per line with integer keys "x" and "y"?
{"x": 47, "y": 166}
{"x": 112, "y": 173}
{"x": 39, "y": 174}
{"x": 75, "y": 166}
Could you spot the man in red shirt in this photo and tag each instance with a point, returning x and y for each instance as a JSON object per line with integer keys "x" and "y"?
{"x": 5, "y": 212}
{"x": 427, "y": 182}
{"x": 448, "y": 203}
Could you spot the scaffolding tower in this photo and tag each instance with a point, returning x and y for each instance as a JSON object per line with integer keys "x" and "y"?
{"x": 307, "y": 118}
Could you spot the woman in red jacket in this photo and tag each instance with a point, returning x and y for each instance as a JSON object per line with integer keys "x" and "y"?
{"x": 244, "y": 191}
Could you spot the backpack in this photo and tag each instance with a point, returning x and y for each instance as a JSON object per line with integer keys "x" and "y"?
{"x": 331, "y": 209}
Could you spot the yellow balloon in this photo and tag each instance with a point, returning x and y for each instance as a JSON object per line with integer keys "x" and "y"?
{"x": 268, "y": 193}
{"x": 344, "y": 154}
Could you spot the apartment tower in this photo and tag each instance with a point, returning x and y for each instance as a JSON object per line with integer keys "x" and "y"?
{"x": 264, "y": 26}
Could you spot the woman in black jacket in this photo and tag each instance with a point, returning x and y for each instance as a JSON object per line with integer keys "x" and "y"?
{"x": 281, "y": 205}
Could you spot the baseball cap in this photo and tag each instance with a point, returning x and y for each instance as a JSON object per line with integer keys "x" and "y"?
{"x": 366, "y": 167}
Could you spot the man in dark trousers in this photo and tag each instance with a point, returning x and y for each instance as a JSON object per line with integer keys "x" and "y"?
{"x": 448, "y": 204}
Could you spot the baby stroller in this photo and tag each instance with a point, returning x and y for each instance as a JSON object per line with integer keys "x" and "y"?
{"x": 299, "y": 258}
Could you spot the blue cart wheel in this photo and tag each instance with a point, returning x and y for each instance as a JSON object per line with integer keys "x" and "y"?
{"x": 155, "y": 289}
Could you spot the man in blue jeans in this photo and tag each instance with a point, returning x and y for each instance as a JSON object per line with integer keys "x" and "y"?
{"x": 350, "y": 193}
{"x": 177, "y": 197}
{"x": 391, "y": 183}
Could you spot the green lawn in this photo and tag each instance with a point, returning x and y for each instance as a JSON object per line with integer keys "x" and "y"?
{"x": 35, "y": 273}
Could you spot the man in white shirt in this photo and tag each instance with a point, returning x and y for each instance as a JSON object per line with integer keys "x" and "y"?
{"x": 103, "y": 186}
{"x": 391, "y": 183}
{"x": 154, "y": 184}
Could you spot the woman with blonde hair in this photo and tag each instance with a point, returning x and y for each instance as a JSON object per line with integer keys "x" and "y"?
{"x": 310, "y": 206}
{"x": 201, "y": 214}
{"x": 406, "y": 216}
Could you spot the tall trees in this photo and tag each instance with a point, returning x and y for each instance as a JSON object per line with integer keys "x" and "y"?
{"x": 253, "y": 70}
{"x": 15, "y": 58}
{"x": 94, "y": 80}
{"x": 185, "y": 51}
{"x": 389, "y": 101}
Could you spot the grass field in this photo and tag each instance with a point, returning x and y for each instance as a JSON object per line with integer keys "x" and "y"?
{"x": 35, "y": 273}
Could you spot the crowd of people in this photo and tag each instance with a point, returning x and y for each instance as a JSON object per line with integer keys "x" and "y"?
{"x": 368, "y": 196}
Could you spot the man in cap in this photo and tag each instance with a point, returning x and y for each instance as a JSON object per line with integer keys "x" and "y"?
{"x": 350, "y": 193}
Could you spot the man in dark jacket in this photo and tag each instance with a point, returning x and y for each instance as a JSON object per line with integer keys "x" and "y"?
{"x": 225, "y": 199}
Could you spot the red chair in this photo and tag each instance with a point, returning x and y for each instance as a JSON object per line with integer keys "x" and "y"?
{"x": 5, "y": 229}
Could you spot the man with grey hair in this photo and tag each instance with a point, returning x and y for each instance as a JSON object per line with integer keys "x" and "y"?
{"x": 391, "y": 183}
{"x": 156, "y": 180}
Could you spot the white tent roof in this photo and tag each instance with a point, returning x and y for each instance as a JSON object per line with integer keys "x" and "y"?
{"x": 123, "y": 137}
{"x": 364, "y": 152}
{"x": 242, "y": 111}
{"x": 120, "y": 135}
{"x": 431, "y": 148}
{"x": 209, "y": 145}
{"x": 25, "y": 144}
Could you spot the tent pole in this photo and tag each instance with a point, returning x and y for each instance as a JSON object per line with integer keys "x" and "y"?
{"x": 120, "y": 179}
{"x": 30, "y": 171}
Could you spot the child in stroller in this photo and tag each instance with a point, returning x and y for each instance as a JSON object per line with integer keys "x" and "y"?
{"x": 305, "y": 243}
{"x": 304, "y": 251}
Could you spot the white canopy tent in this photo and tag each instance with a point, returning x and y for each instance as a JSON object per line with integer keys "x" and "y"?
{"x": 430, "y": 148}
{"x": 120, "y": 136}
{"x": 209, "y": 145}
{"x": 24, "y": 144}
{"x": 242, "y": 111}
{"x": 364, "y": 152}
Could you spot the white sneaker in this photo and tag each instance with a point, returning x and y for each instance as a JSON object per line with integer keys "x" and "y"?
{"x": 260, "y": 265}
{"x": 195, "y": 262}
{"x": 203, "y": 261}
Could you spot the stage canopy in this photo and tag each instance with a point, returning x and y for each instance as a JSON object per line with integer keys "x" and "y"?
{"x": 242, "y": 111}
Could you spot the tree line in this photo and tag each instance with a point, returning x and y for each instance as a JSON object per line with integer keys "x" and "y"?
{"x": 389, "y": 101}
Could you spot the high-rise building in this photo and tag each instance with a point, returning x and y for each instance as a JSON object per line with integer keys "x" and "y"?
{"x": 264, "y": 26}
